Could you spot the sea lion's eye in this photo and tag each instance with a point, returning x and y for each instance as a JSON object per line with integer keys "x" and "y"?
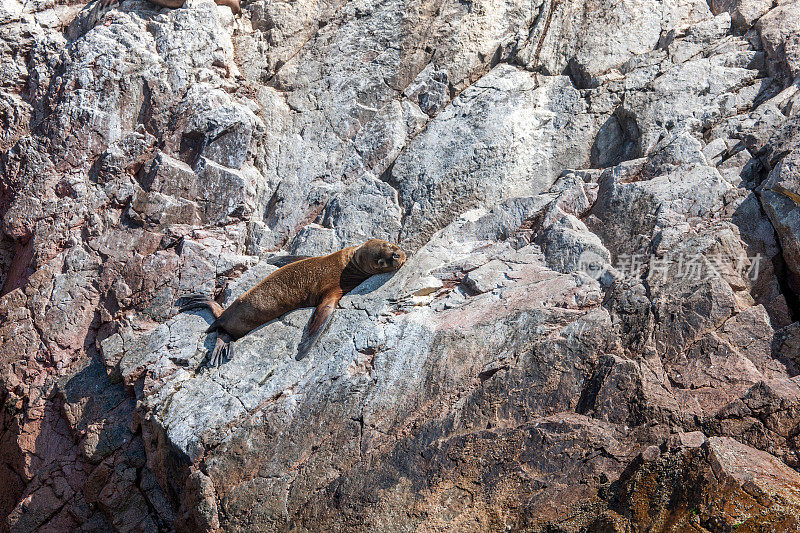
{"x": 395, "y": 256}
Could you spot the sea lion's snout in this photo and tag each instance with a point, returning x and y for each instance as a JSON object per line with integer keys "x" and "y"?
{"x": 379, "y": 256}
{"x": 398, "y": 259}
{"x": 393, "y": 257}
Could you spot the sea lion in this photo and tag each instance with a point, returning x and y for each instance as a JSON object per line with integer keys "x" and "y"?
{"x": 305, "y": 282}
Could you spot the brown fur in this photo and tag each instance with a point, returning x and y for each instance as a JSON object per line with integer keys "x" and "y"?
{"x": 233, "y": 4}
{"x": 311, "y": 282}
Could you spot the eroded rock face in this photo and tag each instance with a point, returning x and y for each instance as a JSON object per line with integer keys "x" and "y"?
{"x": 596, "y": 328}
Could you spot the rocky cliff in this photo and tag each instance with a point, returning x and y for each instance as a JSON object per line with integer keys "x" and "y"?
{"x": 597, "y": 328}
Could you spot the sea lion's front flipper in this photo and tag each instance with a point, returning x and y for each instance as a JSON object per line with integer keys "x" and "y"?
{"x": 319, "y": 320}
{"x": 223, "y": 350}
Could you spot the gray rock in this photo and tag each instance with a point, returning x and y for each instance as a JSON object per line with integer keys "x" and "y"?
{"x": 222, "y": 129}
{"x": 780, "y": 197}
{"x": 598, "y": 202}
{"x": 779, "y": 30}
{"x": 476, "y": 152}
{"x": 744, "y": 13}
{"x": 592, "y": 42}
{"x": 692, "y": 95}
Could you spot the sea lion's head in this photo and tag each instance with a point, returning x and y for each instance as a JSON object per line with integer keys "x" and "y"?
{"x": 376, "y": 256}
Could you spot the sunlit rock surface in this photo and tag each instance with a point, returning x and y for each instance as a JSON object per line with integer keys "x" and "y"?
{"x": 596, "y": 330}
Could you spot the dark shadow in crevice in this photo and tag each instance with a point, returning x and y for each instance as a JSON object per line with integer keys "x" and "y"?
{"x": 616, "y": 141}
{"x": 788, "y": 283}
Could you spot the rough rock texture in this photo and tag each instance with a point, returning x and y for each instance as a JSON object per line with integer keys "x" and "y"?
{"x": 596, "y": 330}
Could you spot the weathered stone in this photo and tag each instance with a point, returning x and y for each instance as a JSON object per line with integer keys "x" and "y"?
{"x": 750, "y": 489}
{"x": 692, "y": 95}
{"x": 476, "y": 152}
{"x": 780, "y": 197}
{"x": 779, "y": 30}
{"x": 595, "y": 330}
{"x": 743, "y": 12}
{"x": 591, "y": 41}
{"x": 200, "y": 504}
{"x": 759, "y": 473}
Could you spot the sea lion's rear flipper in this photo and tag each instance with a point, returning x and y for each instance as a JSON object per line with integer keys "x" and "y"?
{"x": 317, "y": 324}
{"x": 223, "y": 351}
{"x": 199, "y": 301}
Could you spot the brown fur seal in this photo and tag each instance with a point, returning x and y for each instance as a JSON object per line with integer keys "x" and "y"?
{"x": 313, "y": 281}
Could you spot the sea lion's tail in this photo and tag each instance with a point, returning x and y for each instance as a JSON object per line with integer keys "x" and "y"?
{"x": 223, "y": 349}
{"x": 199, "y": 301}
